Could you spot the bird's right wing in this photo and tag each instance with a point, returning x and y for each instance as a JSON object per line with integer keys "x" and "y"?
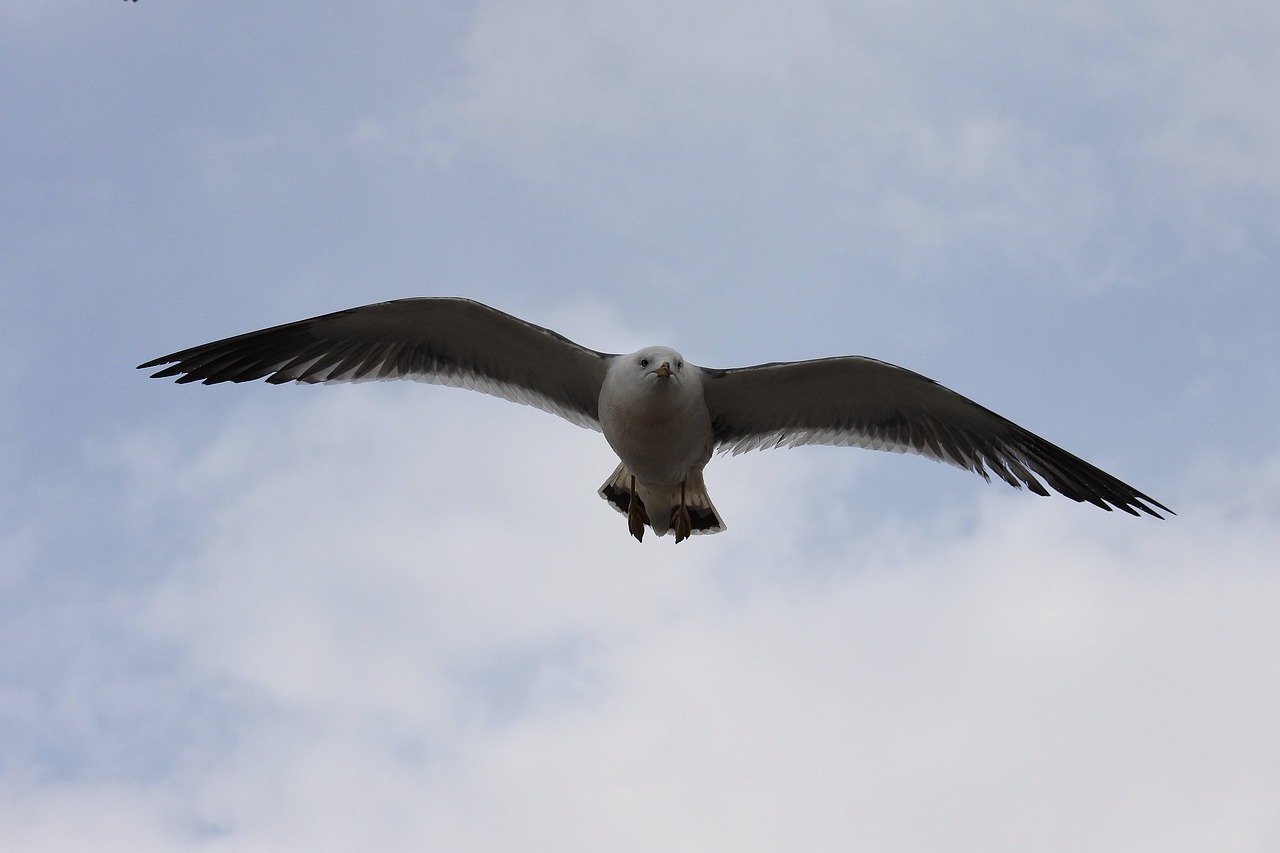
{"x": 438, "y": 340}
{"x": 862, "y": 402}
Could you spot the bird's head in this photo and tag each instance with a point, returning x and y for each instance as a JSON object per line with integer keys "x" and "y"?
{"x": 654, "y": 376}
{"x": 661, "y": 364}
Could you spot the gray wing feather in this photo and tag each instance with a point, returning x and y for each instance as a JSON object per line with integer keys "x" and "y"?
{"x": 862, "y": 402}
{"x": 442, "y": 341}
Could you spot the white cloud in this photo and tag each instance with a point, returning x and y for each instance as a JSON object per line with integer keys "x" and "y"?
{"x": 397, "y": 669}
{"x": 935, "y": 140}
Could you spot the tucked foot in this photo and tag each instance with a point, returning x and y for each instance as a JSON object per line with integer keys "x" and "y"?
{"x": 637, "y": 518}
{"x": 680, "y": 521}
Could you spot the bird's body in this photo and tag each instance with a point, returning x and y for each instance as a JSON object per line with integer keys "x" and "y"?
{"x": 663, "y": 416}
{"x": 654, "y": 415}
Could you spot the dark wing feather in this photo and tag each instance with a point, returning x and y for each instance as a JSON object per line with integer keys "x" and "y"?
{"x": 442, "y": 341}
{"x": 862, "y": 402}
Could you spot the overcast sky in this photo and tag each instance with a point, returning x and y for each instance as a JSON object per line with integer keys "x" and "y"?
{"x": 395, "y": 616}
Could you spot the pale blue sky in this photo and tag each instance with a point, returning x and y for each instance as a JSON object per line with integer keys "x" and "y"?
{"x": 398, "y": 617}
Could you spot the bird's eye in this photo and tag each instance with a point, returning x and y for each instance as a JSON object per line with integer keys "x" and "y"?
{"x": 679, "y": 364}
{"x": 644, "y": 362}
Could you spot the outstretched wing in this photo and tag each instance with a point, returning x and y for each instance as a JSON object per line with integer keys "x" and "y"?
{"x": 442, "y": 341}
{"x": 862, "y": 402}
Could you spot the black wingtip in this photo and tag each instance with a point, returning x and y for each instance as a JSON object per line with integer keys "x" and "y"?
{"x": 1140, "y": 504}
{"x": 171, "y": 370}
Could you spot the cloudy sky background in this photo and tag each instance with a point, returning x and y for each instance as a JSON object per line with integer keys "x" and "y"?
{"x": 396, "y": 616}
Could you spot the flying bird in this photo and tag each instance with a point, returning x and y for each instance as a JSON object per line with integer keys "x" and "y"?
{"x": 662, "y": 415}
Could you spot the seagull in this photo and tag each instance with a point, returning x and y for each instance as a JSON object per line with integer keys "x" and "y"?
{"x": 663, "y": 416}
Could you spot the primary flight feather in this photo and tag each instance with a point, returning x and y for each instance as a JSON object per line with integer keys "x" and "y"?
{"x": 662, "y": 416}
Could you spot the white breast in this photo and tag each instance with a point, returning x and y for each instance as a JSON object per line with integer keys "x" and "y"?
{"x": 658, "y": 425}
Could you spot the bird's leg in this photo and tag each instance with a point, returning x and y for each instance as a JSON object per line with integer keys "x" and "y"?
{"x": 680, "y": 518}
{"x": 637, "y": 518}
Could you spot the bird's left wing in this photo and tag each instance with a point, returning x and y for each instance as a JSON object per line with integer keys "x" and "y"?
{"x": 442, "y": 341}
{"x": 862, "y": 402}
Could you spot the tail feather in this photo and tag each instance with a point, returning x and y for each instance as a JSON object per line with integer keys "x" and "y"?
{"x": 702, "y": 513}
{"x": 617, "y": 489}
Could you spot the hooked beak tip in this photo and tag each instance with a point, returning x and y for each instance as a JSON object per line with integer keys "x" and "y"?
{"x": 664, "y": 369}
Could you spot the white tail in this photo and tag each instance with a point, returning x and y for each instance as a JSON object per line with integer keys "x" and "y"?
{"x": 702, "y": 513}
